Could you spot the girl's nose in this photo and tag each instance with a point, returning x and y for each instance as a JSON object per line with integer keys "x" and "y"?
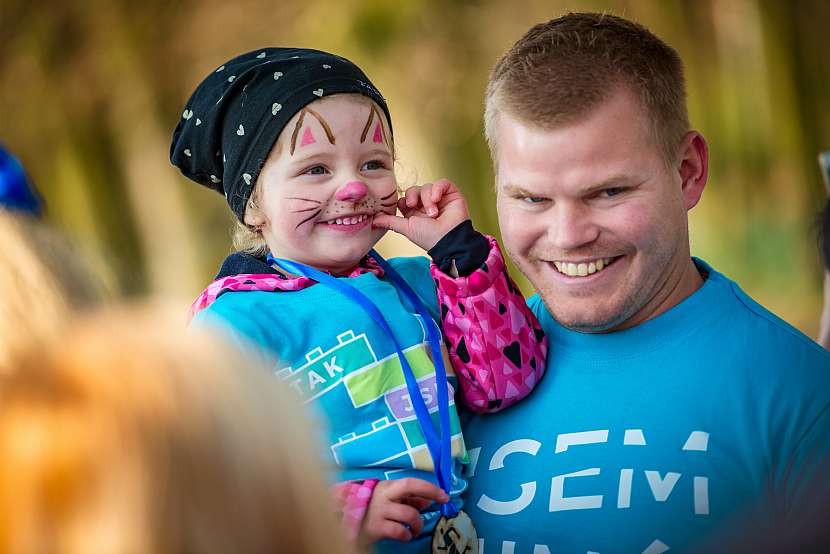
{"x": 352, "y": 191}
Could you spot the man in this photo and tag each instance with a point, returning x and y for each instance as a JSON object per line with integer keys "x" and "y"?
{"x": 676, "y": 413}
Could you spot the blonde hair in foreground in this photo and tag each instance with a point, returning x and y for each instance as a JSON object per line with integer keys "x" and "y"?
{"x": 131, "y": 436}
{"x": 33, "y": 305}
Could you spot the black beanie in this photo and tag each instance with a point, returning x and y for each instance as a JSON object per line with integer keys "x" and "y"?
{"x": 236, "y": 114}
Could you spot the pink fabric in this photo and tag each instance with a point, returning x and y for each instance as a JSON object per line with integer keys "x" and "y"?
{"x": 353, "y": 499}
{"x": 267, "y": 282}
{"x": 496, "y": 344}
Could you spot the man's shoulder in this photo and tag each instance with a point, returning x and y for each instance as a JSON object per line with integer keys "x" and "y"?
{"x": 769, "y": 332}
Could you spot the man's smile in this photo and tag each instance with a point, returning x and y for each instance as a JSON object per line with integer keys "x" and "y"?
{"x": 583, "y": 268}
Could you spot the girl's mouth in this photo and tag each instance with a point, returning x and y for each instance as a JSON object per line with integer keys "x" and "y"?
{"x": 348, "y": 224}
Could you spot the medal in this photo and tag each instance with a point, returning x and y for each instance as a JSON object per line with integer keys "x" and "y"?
{"x": 455, "y": 535}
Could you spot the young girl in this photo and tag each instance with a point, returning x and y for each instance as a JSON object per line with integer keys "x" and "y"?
{"x": 300, "y": 143}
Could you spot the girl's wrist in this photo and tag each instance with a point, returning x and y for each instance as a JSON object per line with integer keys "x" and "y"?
{"x": 462, "y": 249}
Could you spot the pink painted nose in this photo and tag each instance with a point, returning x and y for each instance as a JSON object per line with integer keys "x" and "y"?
{"x": 352, "y": 191}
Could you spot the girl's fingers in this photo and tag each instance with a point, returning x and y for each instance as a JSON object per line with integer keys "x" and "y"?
{"x": 427, "y": 201}
{"x": 391, "y": 222}
{"x": 395, "y": 531}
{"x": 411, "y": 486}
{"x": 412, "y": 197}
{"x": 440, "y": 188}
{"x": 406, "y": 515}
{"x": 417, "y": 502}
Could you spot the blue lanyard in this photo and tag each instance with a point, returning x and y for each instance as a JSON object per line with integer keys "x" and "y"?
{"x": 439, "y": 447}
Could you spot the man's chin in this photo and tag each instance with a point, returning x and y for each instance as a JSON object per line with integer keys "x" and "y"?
{"x": 587, "y": 321}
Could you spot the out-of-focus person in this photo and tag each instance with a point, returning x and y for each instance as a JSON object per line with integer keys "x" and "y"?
{"x": 43, "y": 278}
{"x": 16, "y": 189}
{"x": 824, "y": 240}
{"x": 129, "y": 435}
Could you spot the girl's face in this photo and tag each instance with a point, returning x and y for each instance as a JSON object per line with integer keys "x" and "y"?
{"x": 329, "y": 173}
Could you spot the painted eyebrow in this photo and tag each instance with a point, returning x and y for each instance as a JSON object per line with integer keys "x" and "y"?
{"x": 323, "y": 123}
{"x": 373, "y": 112}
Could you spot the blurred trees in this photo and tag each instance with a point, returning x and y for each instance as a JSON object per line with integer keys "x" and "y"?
{"x": 91, "y": 91}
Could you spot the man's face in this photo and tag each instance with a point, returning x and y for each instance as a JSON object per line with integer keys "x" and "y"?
{"x": 592, "y": 216}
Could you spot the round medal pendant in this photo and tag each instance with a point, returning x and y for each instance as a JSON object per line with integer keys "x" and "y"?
{"x": 455, "y": 535}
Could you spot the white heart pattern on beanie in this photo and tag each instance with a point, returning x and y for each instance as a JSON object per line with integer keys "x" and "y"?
{"x": 247, "y": 178}
{"x": 318, "y": 92}
{"x": 275, "y": 107}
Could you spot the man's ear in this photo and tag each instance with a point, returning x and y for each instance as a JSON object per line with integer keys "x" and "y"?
{"x": 693, "y": 167}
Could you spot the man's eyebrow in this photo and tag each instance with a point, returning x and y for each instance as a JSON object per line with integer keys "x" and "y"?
{"x": 516, "y": 190}
{"x": 619, "y": 180}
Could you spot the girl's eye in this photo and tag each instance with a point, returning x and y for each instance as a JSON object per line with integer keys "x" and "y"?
{"x": 374, "y": 165}
{"x": 316, "y": 170}
{"x": 533, "y": 199}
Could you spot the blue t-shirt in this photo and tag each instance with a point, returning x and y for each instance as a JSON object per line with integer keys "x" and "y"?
{"x": 346, "y": 369}
{"x": 657, "y": 437}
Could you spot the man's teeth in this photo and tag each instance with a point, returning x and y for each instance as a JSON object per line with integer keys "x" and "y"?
{"x": 582, "y": 269}
{"x": 349, "y": 220}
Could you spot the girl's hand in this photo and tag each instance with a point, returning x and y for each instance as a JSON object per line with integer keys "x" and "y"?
{"x": 429, "y": 212}
{"x": 395, "y": 509}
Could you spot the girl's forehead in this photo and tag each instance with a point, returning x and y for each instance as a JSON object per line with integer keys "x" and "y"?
{"x": 336, "y": 119}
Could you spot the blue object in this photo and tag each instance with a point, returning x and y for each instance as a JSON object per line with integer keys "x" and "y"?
{"x": 338, "y": 360}
{"x": 439, "y": 447}
{"x": 659, "y": 436}
{"x": 16, "y": 191}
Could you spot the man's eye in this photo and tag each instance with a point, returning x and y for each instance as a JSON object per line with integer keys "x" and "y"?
{"x": 374, "y": 165}
{"x": 612, "y": 191}
{"x": 316, "y": 170}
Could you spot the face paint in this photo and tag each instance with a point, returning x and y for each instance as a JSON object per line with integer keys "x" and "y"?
{"x": 352, "y": 192}
{"x": 393, "y": 196}
{"x": 307, "y": 135}
{"x": 378, "y": 136}
{"x": 319, "y": 199}
{"x": 308, "y": 138}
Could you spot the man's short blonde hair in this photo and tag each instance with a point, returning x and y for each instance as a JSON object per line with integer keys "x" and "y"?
{"x": 562, "y": 69}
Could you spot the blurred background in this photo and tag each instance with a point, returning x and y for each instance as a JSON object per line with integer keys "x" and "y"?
{"x": 91, "y": 91}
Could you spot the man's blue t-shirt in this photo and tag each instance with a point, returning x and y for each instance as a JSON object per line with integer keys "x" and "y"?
{"x": 663, "y": 436}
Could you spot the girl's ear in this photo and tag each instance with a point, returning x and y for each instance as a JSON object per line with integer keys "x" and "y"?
{"x": 254, "y": 216}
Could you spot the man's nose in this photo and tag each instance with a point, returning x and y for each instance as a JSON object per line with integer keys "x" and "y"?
{"x": 572, "y": 226}
{"x": 352, "y": 191}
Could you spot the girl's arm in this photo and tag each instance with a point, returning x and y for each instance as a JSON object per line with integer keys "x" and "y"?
{"x": 495, "y": 343}
{"x": 374, "y": 510}
{"x": 353, "y": 498}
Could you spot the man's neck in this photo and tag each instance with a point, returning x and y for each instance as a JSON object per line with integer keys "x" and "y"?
{"x": 679, "y": 285}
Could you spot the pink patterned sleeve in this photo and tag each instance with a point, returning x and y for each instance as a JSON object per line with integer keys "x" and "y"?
{"x": 496, "y": 345}
{"x": 353, "y": 499}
